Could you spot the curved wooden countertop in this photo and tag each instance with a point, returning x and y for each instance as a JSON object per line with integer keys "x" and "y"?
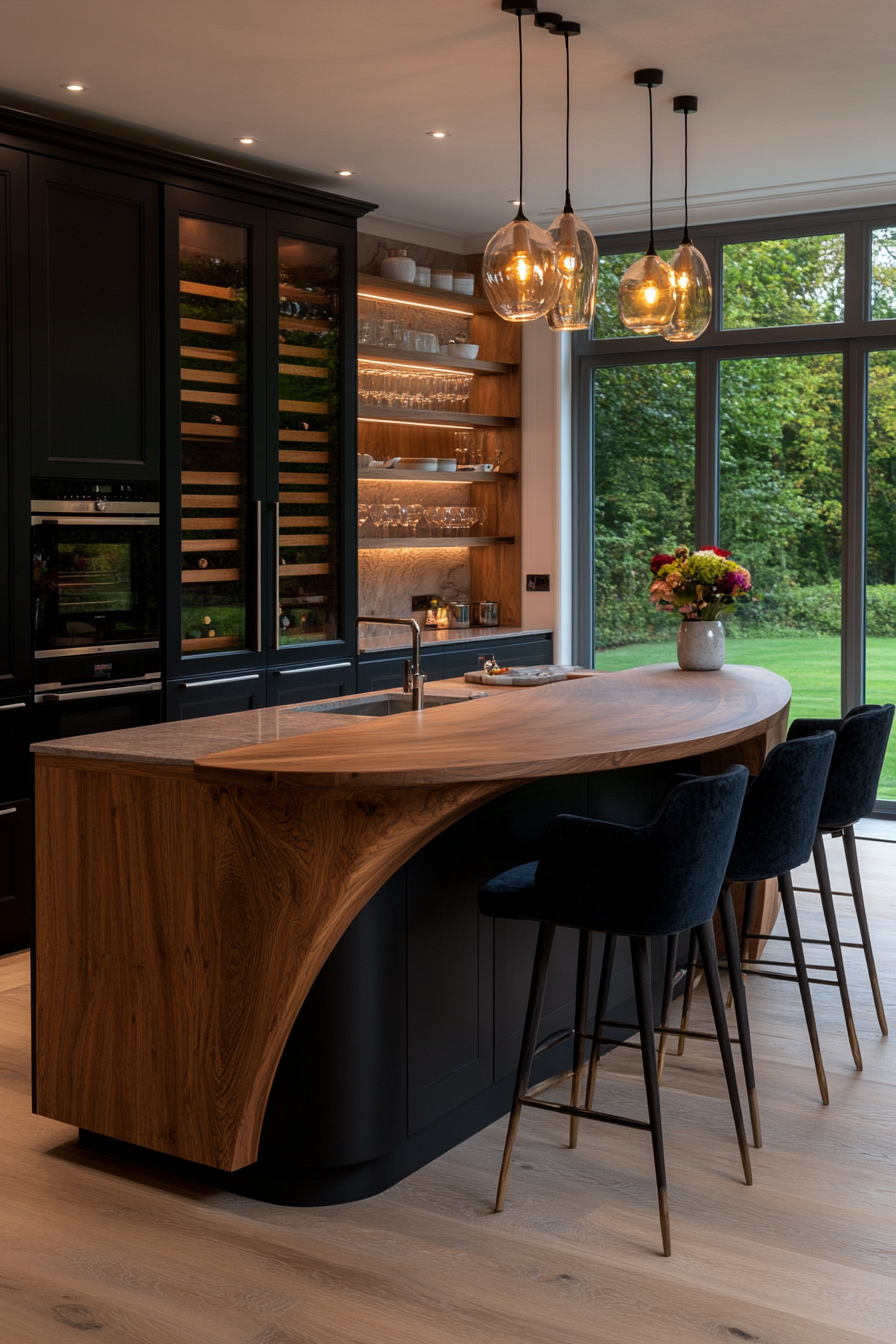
{"x": 598, "y": 722}
{"x": 182, "y": 914}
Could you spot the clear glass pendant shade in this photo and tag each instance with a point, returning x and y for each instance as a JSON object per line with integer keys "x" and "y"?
{"x": 693, "y": 295}
{"x": 647, "y": 295}
{"x": 577, "y": 264}
{"x": 519, "y": 272}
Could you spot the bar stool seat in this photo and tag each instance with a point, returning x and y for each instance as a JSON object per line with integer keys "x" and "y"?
{"x": 861, "y": 746}
{"x": 624, "y": 881}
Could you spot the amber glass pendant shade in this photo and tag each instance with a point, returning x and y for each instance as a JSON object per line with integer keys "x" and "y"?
{"x": 577, "y": 262}
{"x": 647, "y": 295}
{"x": 519, "y": 271}
{"x": 693, "y": 294}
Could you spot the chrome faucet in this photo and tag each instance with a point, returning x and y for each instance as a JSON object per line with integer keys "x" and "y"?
{"x": 414, "y": 676}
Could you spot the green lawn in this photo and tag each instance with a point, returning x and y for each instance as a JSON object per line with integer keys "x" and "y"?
{"x": 811, "y": 665}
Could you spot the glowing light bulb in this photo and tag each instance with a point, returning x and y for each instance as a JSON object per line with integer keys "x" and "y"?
{"x": 519, "y": 271}
{"x": 692, "y": 287}
{"x": 647, "y": 295}
{"x": 577, "y": 263}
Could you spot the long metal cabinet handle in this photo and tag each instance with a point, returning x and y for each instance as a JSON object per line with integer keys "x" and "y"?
{"x": 276, "y": 576}
{"x": 53, "y": 697}
{"x": 219, "y": 681}
{"x": 74, "y": 520}
{"x": 312, "y": 667}
{"x": 258, "y": 644}
{"x": 7, "y": 811}
{"x": 20, "y": 704}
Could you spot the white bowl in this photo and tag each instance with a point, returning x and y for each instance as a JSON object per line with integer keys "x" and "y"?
{"x": 417, "y": 463}
{"x": 447, "y": 464}
{"x": 464, "y": 351}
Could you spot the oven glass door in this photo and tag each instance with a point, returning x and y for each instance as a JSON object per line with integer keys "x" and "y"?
{"x": 95, "y": 583}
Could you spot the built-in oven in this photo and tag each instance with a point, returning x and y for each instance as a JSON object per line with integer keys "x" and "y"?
{"x": 95, "y": 607}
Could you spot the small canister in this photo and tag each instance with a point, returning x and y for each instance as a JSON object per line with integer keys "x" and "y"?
{"x": 459, "y": 615}
{"x": 442, "y": 280}
{"x": 486, "y": 613}
{"x": 423, "y": 276}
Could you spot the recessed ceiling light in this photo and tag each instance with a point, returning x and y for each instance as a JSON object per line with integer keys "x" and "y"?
{"x": 75, "y": 88}
{"x": 344, "y": 172}
{"x": 245, "y": 140}
{"x": 439, "y": 135}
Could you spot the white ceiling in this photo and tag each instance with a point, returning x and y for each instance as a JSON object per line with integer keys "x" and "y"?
{"x": 795, "y": 98}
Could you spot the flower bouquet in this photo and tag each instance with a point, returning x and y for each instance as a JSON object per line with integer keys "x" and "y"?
{"x": 700, "y": 586}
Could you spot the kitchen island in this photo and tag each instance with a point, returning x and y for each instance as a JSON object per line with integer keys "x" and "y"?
{"x": 190, "y": 901}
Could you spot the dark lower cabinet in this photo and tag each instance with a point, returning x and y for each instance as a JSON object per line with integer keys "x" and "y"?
{"x": 215, "y": 695}
{"x": 16, "y": 874}
{"x": 383, "y": 674}
{"x": 295, "y": 685}
{"x": 15, "y": 757}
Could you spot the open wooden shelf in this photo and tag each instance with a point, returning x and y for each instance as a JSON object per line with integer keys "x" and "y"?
{"x": 456, "y": 477}
{"x": 428, "y": 543}
{"x": 437, "y": 418}
{"x": 419, "y": 296}
{"x": 389, "y": 354}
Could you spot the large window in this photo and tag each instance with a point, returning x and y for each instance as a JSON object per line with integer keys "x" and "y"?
{"x": 754, "y": 437}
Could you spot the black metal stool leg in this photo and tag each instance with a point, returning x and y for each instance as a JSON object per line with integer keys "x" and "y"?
{"x": 689, "y": 986}
{"x": 527, "y": 1050}
{"x": 788, "y": 901}
{"x": 855, "y": 886}
{"x": 600, "y": 1012}
{"x": 830, "y": 919}
{"x": 583, "y": 977}
{"x": 641, "y": 969}
{"x": 668, "y": 985}
{"x": 707, "y": 940}
{"x": 736, "y": 981}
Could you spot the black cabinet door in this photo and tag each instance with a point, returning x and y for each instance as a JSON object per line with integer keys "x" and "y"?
{"x": 387, "y": 674}
{"x": 216, "y": 695}
{"x": 95, "y": 323}
{"x": 15, "y": 758}
{"x": 15, "y": 577}
{"x": 16, "y": 875}
{"x": 450, "y": 1046}
{"x": 294, "y": 685}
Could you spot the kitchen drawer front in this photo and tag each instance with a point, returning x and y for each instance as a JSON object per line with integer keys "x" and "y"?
{"x": 296, "y": 685}
{"x": 199, "y": 699}
{"x": 16, "y": 875}
{"x": 15, "y": 758}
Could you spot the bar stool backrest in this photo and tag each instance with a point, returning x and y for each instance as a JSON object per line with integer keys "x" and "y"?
{"x": 862, "y": 738}
{"x": 649, "y": 880}
{"x": 780, "y": 814}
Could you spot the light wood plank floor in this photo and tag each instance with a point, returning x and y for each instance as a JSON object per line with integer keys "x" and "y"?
{"x": 806, "y": 1256}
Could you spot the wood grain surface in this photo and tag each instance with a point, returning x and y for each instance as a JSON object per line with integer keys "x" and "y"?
{"x": 635, "y": 717}
{"x": 182, "y": 918}
{"x": 804, "y": 1256}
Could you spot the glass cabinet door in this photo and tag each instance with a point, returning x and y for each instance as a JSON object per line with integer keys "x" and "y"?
{"x": 307, "y": 500}
{"x": 214, "y": 264}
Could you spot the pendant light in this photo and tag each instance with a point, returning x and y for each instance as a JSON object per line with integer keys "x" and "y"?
{"x": 693, "y": 282}
{"x": 519, "y": 265}
{"x": 646, "y": 292}
{"x": 574, "y": 241}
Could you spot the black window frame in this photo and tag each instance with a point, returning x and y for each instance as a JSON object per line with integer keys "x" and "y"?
{"x": 855, "y": 337}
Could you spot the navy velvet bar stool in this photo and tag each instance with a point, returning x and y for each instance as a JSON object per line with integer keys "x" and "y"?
{"x": 775, "y": 834}
{"x": 851, "y": 793}
{"x": 637, "y": 882}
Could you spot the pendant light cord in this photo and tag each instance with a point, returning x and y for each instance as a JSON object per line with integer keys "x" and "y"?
{"x": 651, "y": 249}
{"x": 568, "y": 206}
{"x": 687, "y": 235}
{"x": 519, "y": 25}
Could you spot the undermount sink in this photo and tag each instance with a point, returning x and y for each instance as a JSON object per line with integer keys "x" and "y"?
{"x": 382, "y": 706}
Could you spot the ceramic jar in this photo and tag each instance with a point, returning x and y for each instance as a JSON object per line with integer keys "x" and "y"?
{"x": 701, "y": 646}
{"x": 398, "y": 266}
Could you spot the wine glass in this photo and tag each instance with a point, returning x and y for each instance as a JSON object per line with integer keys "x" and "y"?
{"x": 363, "y": 517}
{"x": 413, "y": 514}
{"x": 377, "y": 517}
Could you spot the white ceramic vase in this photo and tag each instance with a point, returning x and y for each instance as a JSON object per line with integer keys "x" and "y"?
{"x": 701, "y": 646}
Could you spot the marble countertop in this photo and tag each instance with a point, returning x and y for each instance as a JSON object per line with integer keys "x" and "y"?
{"x": 185, "y": 742}
{"x": 400, "y": 636}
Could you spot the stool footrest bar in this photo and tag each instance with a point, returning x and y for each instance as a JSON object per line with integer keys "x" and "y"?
{"x": 563, "y": 1109}
{"x": 555, "y": 1038}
